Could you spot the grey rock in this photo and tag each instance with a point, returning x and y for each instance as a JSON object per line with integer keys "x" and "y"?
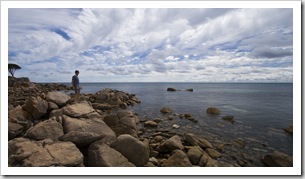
{"x": 278, "y": 159}
{"x": 171, "y": 144}
{"x": 105, "y": 156}
{"x": 178, "y": 159}
{"x": 58, "y": 98}
{"x": 133, "y": 149}
{"x": 46, "y": 129}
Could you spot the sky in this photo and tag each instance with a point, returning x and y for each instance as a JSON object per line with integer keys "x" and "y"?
{"x": 152, "y": 44}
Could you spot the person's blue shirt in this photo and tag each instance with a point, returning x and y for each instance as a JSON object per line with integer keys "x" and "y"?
{"x": 75, "y": 80}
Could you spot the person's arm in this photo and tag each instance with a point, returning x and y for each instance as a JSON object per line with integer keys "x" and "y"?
{"x": 73, "y": 82}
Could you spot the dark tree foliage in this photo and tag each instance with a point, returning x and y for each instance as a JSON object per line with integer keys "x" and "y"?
{"x": 12, "y": 68}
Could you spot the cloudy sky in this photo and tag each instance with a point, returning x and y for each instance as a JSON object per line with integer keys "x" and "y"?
{"x": 160, "y": 45}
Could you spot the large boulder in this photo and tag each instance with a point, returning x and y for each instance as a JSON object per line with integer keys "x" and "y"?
{"x": 134, "y": 150}
{"x": 278, "y": 159}
{"x": 27, "y": 153}
{"x": 46, "y": 129}
{"x": 101, "y": 155}
{"x": 84, "y": 131}
{"x": 81, "y": 109}
{"x": 109, "y": 96}
{"x": 194, "y": 154}
{"x": 58, "y": 98}
{"x": 178, "y": 159}
{"x": 124, "y": 122}
{"x": 37, "y": 107}
{"x": 171, "y": 144}
{"x": 65, "y": 153}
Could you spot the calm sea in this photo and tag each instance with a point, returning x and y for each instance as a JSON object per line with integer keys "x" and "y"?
{"x": 261, "y": 110}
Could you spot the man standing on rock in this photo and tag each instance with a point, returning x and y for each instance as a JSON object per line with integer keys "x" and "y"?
{"x": 75, "y": 85}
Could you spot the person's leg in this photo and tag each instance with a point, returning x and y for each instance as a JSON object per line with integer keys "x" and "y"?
{"x": 77, "y": 94}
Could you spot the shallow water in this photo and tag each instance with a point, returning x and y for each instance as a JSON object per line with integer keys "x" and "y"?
{"x": 261, "y": 111}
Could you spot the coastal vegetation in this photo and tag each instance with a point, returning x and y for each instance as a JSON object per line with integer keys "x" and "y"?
{"x": 12, "y": 68}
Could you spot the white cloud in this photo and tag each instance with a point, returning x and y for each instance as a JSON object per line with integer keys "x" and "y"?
{"x": 161, "y": 44}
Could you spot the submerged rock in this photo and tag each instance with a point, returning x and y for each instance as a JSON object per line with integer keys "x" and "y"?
{"x": 278, "y": 159}
{"x": 166, "y": 110}
{"x": 229, "y": 119}
{"x": 289, "y": 130}
{"x": 213, "y": 110}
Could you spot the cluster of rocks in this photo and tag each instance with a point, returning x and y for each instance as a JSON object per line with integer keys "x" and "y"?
{"x": 50, "y": 129}
{"x": 216, "y": 111}
{"x": 19, "y": 89}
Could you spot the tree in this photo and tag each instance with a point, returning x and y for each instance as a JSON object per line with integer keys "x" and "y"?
{"x": 12, "y": 68}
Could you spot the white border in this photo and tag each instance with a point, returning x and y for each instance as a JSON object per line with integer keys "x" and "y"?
{"x": 296, "y": 170}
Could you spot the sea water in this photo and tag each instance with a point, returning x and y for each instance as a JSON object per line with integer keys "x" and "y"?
{"x": 261, "y": 110}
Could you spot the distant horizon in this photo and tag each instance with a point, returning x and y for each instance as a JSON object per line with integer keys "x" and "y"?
{"x": 158, "y": 81}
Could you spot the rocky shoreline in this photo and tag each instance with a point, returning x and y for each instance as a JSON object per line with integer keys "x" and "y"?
{"x": 47, "y": 128}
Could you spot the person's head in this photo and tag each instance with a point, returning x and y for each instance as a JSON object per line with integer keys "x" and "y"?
{"x": 76, "y": 72}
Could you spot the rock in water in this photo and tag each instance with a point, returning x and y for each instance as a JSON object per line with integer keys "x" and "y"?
{"x": 289, "y": 130}
{"x": 213, "y": 110}
{"x": 278, "y": 159}
{"x": 229, "y": 119}
{"x": 171, "y": 89}
{"x": 175, "y": 126}
{"x": 166, "y": 110}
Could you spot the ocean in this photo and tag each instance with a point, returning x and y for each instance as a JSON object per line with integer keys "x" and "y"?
{"x": 261, "y": 111}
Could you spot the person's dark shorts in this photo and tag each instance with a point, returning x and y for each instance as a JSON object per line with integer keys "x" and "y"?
{"x": 77, "y": 90}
